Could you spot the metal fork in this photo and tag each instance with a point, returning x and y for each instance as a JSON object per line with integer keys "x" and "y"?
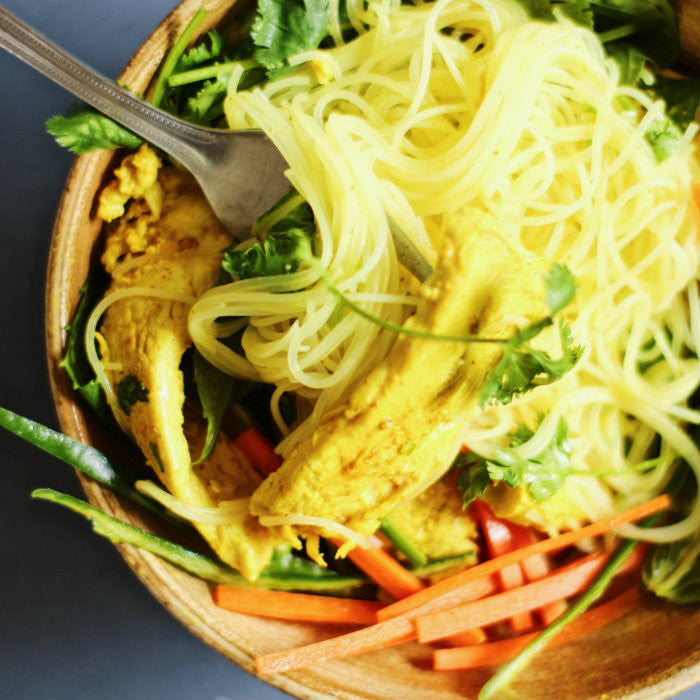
{"x": 240, "y": 172}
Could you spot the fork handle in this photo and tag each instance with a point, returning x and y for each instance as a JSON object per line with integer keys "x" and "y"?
{"x": 185, "y": 142}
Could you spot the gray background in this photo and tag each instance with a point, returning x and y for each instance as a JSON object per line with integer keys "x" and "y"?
{"x": 75, "y": 623}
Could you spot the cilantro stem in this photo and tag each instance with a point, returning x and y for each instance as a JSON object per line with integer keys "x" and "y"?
{"x": 617, "y": 33}
{"x": 413, "y": 332}
{"x": 507, "y": 673}
{"x": 218, "y": 70}
{"x": 174, "y": 56}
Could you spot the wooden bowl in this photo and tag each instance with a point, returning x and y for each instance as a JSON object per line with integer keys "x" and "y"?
{"x": 652, "y": 653}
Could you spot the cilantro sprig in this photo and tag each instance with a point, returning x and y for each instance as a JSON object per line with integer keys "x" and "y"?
{"x": 543, "y": 474}
{"x": 84, "y": 129}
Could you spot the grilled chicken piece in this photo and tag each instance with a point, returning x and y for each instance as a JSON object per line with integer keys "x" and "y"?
{"x": 172, "y": 241}
{"x": 402, "y": 425}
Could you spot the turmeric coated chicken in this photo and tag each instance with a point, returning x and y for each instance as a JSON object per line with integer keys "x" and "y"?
{"x": 402, "y": 425}
{"x": 170, "y": 241}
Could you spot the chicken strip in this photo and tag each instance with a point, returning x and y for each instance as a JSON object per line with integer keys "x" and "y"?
{"x": 402, "y": 425}
{"x": 172, "y": 242}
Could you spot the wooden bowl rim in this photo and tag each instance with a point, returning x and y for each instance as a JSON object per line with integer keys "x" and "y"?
{"x": 163, "y": 580}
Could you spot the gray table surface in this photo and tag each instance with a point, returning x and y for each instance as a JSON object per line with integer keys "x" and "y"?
{"x": 75, "y": 623}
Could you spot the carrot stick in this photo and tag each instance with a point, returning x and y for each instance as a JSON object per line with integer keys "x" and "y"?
{"x": 473, "y": 590}
{"x": 495, "y": 653}
{"x": 259, "y": 450}
{"x": 398, "y": 630}
{"x": 500, "y": 541}
{"x": 468, "y": 637}
{"x": 535, "y": 568}
{"x": 443, "y": 593}
{"x": 384, "y": 570}
{"x": 564, "y": 582}
{"x": 296, "y": 606}
{"x": 379, "y": 636}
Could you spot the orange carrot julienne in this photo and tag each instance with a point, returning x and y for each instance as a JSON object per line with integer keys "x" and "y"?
{"x": 495, "y": 653}
{"x": 499, "y": 540}
{"x": 259, "y": 450}
{"x": 472, "y": 590}
{"x": 498, "y": 607}
{"x": 385, "y": 571}
{"x": 398, "y": 630}
{"x": 379, "y": 636}
{"x": 296, "y": 606}
{"x": 476, "y": 635}
{"x": 566, "y": 581}
{"x": 432, "y": 597}
{"x": 536, "y": 567}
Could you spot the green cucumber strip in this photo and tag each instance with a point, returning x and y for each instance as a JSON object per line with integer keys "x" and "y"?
{"x": 86, "y": 459}
{"x": 402, "y": 543}
{"x": 194, "y": 563}
{"x": 437, "y": 566}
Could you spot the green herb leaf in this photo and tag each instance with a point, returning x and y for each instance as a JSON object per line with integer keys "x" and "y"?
{"x": 205, "y": 107}
{"x": 201, "y": 53}
{"x": 292, "y": 211}
{"x": 663, "y": 136}
{"x": 130, "y": 391}
{"x": 84, "y": 129}
{"x": 278, "y": 254}
{"x": 682, "y": 98}
{"x": 214, "y": 390}
{"x": 284, "y": 28}
{"x": 653, "y": 29}
{"x": 523, "y": 368}
{"x": 75, "y": 362}
{"x": 630, "y": 61}
{"x": 561, "y": 288}
{"x": 543, "y": 474}
{"x": 472, "y": 477}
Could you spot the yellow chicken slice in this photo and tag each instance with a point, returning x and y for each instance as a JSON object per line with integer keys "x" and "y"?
{"x": 402, "y": 424}
{"x": 434, "y": 522}
{"x": 177, "y": 251}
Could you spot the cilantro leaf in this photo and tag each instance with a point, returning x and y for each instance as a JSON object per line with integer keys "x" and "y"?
{"x": 201, "y": 52}
{"x": 561, "y": 288}
{"x": 292, "y": 211}
{"x": 472, "y": 477}
{"x": 543, "y": 474}
{"x": 655, "y": 33}
{"x": 84, "y": 129}
{"x": 205, "y": 106}
{"x": 279, "y": 254}
{"x": 663, "y": 135}
{"x": 630, "y": 61}
{"x": 130, "y": 391}
{"x": 682, "y": 98}
{"x": 284, "y": 28}
{"x": 522, "y": 367}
